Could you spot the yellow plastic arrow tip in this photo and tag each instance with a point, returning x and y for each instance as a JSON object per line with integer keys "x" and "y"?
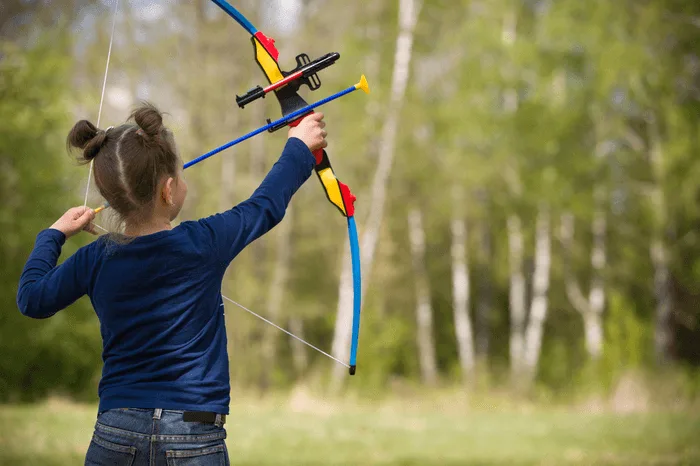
{"x": 363, "y": 84}
{"x": 99, "y": 209}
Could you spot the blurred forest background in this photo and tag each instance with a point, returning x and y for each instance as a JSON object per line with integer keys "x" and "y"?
{"x": 527, "y": 176}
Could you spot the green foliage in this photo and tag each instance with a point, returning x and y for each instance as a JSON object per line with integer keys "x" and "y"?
{"x": 627, "y": 342}
{"x": 36, "y": 186}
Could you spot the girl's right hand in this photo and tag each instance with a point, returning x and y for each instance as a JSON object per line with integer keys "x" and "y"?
{"x": 310, "y": 131}
{"x": 75, "y": 220}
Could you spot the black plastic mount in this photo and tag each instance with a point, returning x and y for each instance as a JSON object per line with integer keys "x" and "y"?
{"x": 308, "y": 77}
{"x": 352, "y": 370}
{"x": 278, "y": 127}
{"x": 254, "y": 94}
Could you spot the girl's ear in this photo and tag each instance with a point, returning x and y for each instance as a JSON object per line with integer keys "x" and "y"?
{"x": 167, "y": 192}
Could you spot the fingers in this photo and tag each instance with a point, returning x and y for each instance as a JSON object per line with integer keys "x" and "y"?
{"x": 90, "y": 228}
{"x": 316, "y": 116}
{"x": 311, "y": 131}
{"x": 77, "y": 212}
{"x": 314, "y": 119}
{"x": 87, "y": 216}
{"x": 74, "y": 220}
{"x": 86, "y": 221}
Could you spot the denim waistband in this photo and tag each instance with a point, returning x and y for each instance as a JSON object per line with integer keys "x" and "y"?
{"x": 158, "y": 424}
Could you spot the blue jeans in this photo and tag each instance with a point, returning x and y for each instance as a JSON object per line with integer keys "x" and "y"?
{"x": 155, "y": 437}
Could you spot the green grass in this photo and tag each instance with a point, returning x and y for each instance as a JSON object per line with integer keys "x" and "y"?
{"x": 313, "y": 432}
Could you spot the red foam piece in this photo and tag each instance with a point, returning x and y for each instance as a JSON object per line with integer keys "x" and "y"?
{"x": 348, "y": 198}
{"x": 268, "y": 43}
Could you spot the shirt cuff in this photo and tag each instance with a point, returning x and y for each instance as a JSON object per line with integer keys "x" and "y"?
{"x": 300, "y": 148}
{"x": 52, "y": 234}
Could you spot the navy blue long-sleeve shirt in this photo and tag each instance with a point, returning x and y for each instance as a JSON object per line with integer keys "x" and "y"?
{"x": 158, "y": 297}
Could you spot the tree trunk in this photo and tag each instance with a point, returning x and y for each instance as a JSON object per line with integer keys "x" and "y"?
{"x": 484, "y": 293}
{"x": 408, "y": 16}
{"x": 198, "y": 105}
{"x": 460, "y": 291}
{"x": 596, "y": 295}
{"x": 663, "y": 332}
{"x": 300, "y": 357}
{"x": 593, "y": 334}
{"x": 517, "y": 295}
{"x": 484, "y": 298}
{"x": 228, "y": 182}
{"x": 424, "y": 310}
{"x": 258, "y": 253}
{"x": 540, "y": 288}
{"x": 591, "y": 309}
{"x": 276, "y": 294}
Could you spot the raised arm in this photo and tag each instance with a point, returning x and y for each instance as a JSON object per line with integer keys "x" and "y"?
{"x": 233, "y": 230}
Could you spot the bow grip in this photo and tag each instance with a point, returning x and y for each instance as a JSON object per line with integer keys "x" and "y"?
{"x": 318, "y": 154}
{"x": 337, "y": 192}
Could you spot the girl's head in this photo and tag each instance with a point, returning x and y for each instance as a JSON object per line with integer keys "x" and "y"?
{"x": 136, "y": 166}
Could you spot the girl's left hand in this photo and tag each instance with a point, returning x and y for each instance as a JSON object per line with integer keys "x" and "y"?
{"x": 75, "y": 220}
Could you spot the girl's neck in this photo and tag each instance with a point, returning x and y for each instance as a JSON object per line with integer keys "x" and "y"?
{"x": 148, "y": 227}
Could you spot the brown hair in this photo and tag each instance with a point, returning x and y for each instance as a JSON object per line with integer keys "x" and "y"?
{"x": 129, "y": 160}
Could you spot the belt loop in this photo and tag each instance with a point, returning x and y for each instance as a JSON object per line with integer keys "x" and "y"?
{"x": 219, "y": 422}
{"x": 157, "y": 412}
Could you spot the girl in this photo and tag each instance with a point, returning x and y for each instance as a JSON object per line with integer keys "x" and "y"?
{"x": 164, "y": 391}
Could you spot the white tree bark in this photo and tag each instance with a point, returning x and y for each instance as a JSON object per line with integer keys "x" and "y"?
{"x": 659, "y": 250}
{"x": 591, "y": 309}
{"x": 540, "y": 288}
{"x": 484, "y": 294}
{"x": 518, "y": 312}
{"x": 408, "y": 16}
{"x": 662, "y": 293}
{"x": 517, "y": 293}
{"x": 278, "y": 287}
{"x": 424, "y": 309}
{"x": 460, "y": 291}
{"x": 596, "y": 294}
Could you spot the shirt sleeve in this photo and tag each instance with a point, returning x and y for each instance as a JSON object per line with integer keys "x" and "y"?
{"x": 233, "y": 230}
{"x": 44, "y": 288}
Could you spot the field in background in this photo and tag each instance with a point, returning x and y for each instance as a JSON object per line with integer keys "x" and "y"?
{"x": 304, "y": 431}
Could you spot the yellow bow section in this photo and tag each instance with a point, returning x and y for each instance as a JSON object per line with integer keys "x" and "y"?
{"x": 267, "y": 62}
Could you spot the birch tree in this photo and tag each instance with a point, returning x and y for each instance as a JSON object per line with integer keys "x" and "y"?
{"x": 540, "y": 288}
{"x": 424, "y": 310}
{"x": 590, "y": 307}
{"x": 658, "y": 248}
{"x": 408, "y": 17}
{"x": 461, "y": 287}
{"x": 276, "y": 294}
{"x": 516, "y": 296}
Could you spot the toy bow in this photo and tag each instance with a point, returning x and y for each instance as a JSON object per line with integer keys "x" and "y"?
{"x": 285, "y": 86}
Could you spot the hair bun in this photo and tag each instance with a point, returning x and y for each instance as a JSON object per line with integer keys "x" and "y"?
{"x": 148, "y": 119}
{"x": 87, "y": 137}
{"x": 82, "y": 133}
